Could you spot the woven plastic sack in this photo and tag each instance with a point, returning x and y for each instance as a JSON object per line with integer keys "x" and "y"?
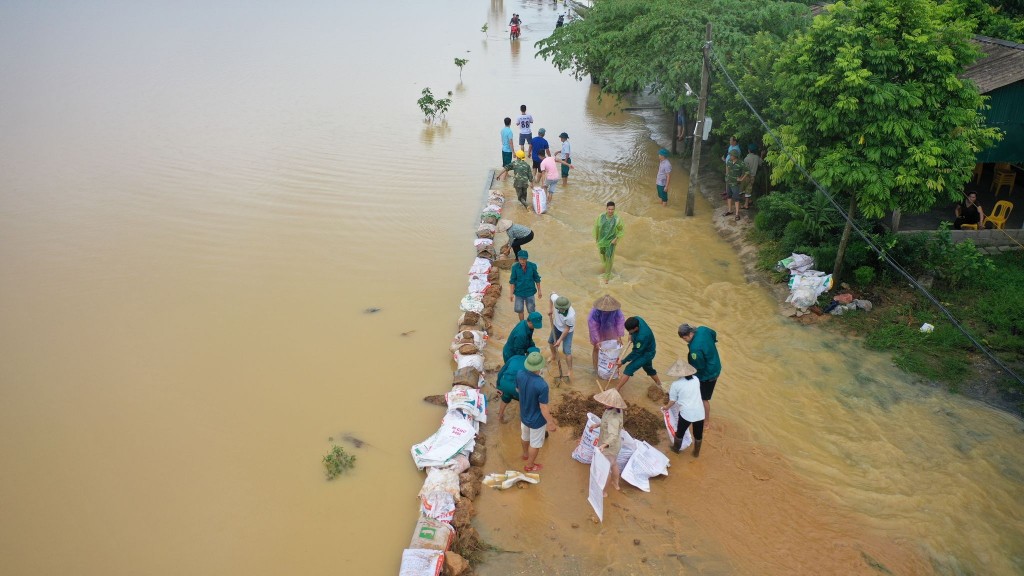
{"x": 584, "y": 451}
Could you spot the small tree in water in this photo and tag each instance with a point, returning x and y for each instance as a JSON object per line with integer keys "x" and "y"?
{"x": 431, "y": 107}
{"x": 460, "y": 62}
{"x": 484, "y": 28}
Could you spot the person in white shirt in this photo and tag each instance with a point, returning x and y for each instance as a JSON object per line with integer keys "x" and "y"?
{"x": 563, "y": 326}
{"x": 524, "y": 122}
{"x": 685, "y": 392}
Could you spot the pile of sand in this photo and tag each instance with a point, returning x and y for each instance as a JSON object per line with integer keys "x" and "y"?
{"x": 641, "y": 423}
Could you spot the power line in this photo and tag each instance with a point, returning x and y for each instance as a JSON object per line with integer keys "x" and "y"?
{"x": 867, "y": 240}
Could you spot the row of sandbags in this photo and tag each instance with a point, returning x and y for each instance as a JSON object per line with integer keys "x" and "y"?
{"x": 454, "y": 455}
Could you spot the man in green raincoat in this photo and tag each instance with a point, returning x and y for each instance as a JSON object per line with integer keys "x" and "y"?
{"x": 607, "y": 231}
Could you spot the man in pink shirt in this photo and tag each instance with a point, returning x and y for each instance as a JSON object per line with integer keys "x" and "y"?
{"x": 549, "y": 168}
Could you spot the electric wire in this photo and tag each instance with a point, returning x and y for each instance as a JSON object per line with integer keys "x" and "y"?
{"x": 881, "y": 253}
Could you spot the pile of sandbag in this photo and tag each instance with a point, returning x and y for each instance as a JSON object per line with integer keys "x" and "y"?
{"x": 453, "y": 456}
{"x": 640, "y": 459}
{"x": 805, "y": 284}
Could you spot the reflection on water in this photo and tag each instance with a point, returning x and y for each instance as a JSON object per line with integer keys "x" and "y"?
{"x": 196, "y": 205}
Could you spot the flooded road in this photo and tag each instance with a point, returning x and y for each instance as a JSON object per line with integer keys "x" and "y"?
{"x": 197, "y": 204}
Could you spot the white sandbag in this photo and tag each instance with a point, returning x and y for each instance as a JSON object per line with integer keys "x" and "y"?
{"x": 584, "y": 451}
{"x": 473, "y": 403}
{"x": 540, "y": 200}
{"x": 806, "y": 287}
{"x": 441, "y": 480}
{"x": 628, "y": 447}
{"x": 438, "y": 505}
{"x": 494, "y": 207}
{"x": 607, "y": 359}
{"x": 481, "y": 242}
{"x": 478, "y": 283}
{"x": 421, "y": 562}
{"x": 480, "y": 266}
{"x": 455, "y": 434}
{"x": 469, "y": 360}
{"x": 645, "y": 463}
{"x": 671, "y": 418}
{"x": 479, "y": 339}
{"x": 472, "y": 303}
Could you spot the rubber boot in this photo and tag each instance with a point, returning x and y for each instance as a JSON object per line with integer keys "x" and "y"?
{"x": 696, "y": 447}
{"x": 676, "y": 444}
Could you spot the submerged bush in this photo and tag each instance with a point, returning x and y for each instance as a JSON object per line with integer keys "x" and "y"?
{"x": 338, "y": 462}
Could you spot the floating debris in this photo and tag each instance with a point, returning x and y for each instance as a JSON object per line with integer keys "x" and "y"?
{"x": 372, "y": 310}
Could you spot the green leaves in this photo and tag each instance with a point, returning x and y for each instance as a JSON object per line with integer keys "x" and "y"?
{"x": 338, "y": 462}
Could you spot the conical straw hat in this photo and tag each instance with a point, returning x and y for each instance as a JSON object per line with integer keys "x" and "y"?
{"x": 607, "y": 304}
{"x": 680, "y": 369}
{"x": 611, "y": 397}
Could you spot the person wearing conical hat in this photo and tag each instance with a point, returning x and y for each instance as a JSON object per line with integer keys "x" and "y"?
{"x": 610, "y": 440}
{"x": 685, "y": 393}
{"x": 606, "y": 322}
{"x": 534, "y": 415}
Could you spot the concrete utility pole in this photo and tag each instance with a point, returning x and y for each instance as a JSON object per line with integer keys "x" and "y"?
{"x": 698, "y": 135}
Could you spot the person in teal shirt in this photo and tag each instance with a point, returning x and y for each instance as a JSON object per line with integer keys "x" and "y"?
{"x": 506, "y": 381}
{"x": 521, "y": 338}
{"x": 525, "y": 281}
{"x": 642, "y": 354}
{"x": 506, "y": 143}
{"x": 704, "y": 357}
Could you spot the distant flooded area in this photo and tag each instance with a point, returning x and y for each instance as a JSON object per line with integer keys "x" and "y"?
{"x": 199, "y": 202}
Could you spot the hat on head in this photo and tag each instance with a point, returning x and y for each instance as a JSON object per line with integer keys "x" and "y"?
{"x": 541, "y": 131}
{"x": 611, "y": 397}
{"x": 563, "y": 135}
{"x": 734, "y": 152}
{"x": 520, "y": 154}
{"x": 680, "y": 369}
{"x": 524, "y": 255}
{"x": 663, "y": 152}
{"x": 532, "y": 349}
{"x": 607, "y": 304}
{"x": 685, "y": 329}
{"x": 562, "y": 303}
{"x": 534, "y": 362}
{"x": 504, "y": 224}
{"x": 752, "y": 147}
{"x": 536, "y": 319}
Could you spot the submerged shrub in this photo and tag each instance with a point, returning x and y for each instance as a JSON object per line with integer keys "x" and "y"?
{"x": 338, "y": 462}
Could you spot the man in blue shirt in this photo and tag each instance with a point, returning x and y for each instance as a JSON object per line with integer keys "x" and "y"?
{"x": 537, "y": 148}
{"x": 534, "y": 416}
{"x": 506, "y": 143}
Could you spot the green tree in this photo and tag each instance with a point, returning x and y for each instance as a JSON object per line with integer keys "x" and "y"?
{"x": 874, "y": 108}
{"x": 460, "y": 62}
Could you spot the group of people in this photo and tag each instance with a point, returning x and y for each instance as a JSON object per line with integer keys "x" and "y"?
{"x": 520, "y": 377}
{"x": 739, "y": 176}
{"x": 546, "y": 166}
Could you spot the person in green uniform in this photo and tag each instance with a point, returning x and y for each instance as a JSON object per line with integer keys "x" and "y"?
{"x": 607, "y": 231}
{"x": 704, "y": 357}
{"x": 525, "y": 281}
{"x": 523, "y": 175}
{"x": 642, "y": 354}
{"x": 736, "y": 173}
{"x": 520, "y": 339}
{"x": 507, "y": 381}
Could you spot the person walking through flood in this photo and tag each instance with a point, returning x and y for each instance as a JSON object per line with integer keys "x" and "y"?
{"x": 605, "y": 322}
{"x": 608, "y": 229}
{"x": 642, "y": 354}
{"x": 506, "y": 381}
{"x": 609, "y": 442}
{"x": 685, "y": 392}
{"x": 517, "y": 234}
{"x": 704, "y": 357}
{"x": 523, "y": 174}
{"x": 520, "y": 339}
{"x": 534, "y": 415}
{"x": 525, "y": 281}
{"x": 664, "y": 176}
{"x": 566, "y": 156}
{"x": 549, "y": 171}
{"x": 563, "y": 327}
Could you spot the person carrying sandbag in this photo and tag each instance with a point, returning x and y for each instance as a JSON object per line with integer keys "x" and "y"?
{"x": 517, "y": 234}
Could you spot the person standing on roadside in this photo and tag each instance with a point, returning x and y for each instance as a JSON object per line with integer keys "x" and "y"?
{"x": 664, "y": 176}
{"x": 517, "y": 235}
{"x": 753, "y": 162}
{"x": 525, "y": 281}
{"x": 733, "y": 145}
{"x": 642, "y": 354}
{"x": 520, "y": 339}
{"x": 607, "y": 231}
{"x": 522, "y": 177}
{"x": 537, "y": 147}
{"x": 507, "y": 143}
{"x": 549, "y": 169}
{"x": 563, "y": 327}
{"x": 685, "y": 392}
{"x": 524, "y": 122}
{"x": 704, "y": 357}
{"x": 605, "y": 322}
{"x": 566, "y": 156}
{"x": 534, "y": 415}
{"x": 736, "y": 174}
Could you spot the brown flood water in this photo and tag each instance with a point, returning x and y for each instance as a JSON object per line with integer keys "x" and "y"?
{"x": 197, "y": 203}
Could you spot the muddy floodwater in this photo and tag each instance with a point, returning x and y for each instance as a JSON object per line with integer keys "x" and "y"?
{"x": 200, "y": 200}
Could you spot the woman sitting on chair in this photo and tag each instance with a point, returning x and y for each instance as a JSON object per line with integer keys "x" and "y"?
{"x": 968, "y": 212}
